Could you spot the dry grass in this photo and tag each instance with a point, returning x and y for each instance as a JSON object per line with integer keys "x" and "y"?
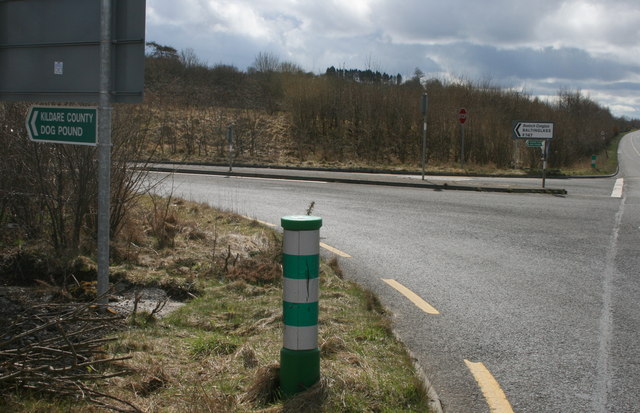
{"x": 220, "y": 351}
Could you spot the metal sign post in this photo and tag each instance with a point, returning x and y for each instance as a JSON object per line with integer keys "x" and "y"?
{"x": 423, "y": 109}
{"x": 75, "y": 51}
{"x": 537, "y": 134}
{"x": 462, "y": 117}
{"x": 230, "y": 147}
{"x": 104, "y": 152}
{"x": 545, "y": 153}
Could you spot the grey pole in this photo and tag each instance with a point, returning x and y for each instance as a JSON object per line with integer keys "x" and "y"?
{"x": 462, "y": 146}
{"x": 545, "y": 153}
{"x": 230, "y": 147}
{"x": 423, "y": 108}
{"x": 104, "y": 151}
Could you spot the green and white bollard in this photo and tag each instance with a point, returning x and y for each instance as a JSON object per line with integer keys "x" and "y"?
{"x": 300, "y": 355}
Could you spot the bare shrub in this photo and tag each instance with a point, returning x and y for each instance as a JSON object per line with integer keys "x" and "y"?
{"x": 49, "y": 190}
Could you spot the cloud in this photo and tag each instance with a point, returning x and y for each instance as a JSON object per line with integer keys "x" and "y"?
{"x": 576, "y": 43}
{"x": 609, "y": 27}
{"x": 503, "y": 22}
{"x": 528, "y": 63}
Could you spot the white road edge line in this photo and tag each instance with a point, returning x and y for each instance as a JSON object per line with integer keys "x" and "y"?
{"x": 617, "y": 188}
{"x": 634, "y": 146}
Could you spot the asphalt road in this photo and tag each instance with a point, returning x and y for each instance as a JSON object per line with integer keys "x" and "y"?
{"x": 540, "y": 291}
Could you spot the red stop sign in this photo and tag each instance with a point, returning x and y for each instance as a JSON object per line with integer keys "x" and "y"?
{"x": 462, "y": 115}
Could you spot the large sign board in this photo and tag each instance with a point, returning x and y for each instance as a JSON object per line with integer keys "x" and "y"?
{"x": 532, "y": 130}
{"x": 50, "y": 50}
{"x": 63, "y": 124}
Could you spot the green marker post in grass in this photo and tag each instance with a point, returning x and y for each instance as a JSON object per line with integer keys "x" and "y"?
{"x": 300, "y": 355}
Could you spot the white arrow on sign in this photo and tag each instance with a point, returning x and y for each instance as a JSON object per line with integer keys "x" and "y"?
{"x": 34, "y": 130}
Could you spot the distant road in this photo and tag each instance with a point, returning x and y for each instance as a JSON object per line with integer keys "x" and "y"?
{"x": 535, "y": 296}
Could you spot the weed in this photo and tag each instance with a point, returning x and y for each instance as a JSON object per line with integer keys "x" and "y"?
{"x": 310, "y": 207}
{"x": 265, "y": 387}
{"x": 207, "y": 345}
{"x": 373, "y": 303}
{"x": 335, "y": 267}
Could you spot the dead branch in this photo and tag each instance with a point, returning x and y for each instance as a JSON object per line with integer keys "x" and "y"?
{"x": 58, "y": 348}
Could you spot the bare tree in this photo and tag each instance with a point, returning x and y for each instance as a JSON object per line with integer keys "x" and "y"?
{"x": 266, "y": 62}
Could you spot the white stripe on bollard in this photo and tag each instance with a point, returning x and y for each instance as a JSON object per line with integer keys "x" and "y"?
{"x": 301, "y": 242}
{"x": 300, "y": 291}
{"x": 301, "y": 338}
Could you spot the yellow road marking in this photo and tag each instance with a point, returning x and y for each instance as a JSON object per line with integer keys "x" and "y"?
{"x": 269, "y": 224}
{"x": 419, "y": 302}
{"x": 496, "y": 399}
{"x": 334, "y": 250}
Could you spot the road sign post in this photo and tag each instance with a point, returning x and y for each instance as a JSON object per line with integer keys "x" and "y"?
{"x": 537, "y": 135}
{"x": 423, "y": 109}
{"x": 545, "y": 152}
{"x": 462, "y": 118}
{"x": 104, "y": 152}
{"x": 63, "y": 124}
{"x": 75, "y": 51}
{"x": 230, "y": 147}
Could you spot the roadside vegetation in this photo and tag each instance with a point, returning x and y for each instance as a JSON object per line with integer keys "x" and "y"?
{"x": 606, "y": 161}
{"x": 359, "y": 118}
{"x": 218, "y": 350}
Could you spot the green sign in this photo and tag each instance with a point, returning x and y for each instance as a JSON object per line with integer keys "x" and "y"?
{"x": 532, "y": 143}
{"x": 63, "y": 124}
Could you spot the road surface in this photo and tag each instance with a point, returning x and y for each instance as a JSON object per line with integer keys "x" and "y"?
{"x": 535, "y": 295}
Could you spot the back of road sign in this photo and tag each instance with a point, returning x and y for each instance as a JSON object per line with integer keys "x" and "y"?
{"x": 50, "y": 50}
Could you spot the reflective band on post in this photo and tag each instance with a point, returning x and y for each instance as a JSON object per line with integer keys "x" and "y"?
{"x": 300, "y": 356}
{"x": 301, "y": 338}
{"x": 300, "y": 291}
{"x": 301, "y": 242}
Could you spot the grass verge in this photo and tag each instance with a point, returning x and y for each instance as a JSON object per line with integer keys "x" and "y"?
{"x": 219, "y": 352}
{"x": 606, "y": 162}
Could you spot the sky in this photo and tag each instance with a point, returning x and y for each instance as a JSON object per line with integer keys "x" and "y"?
{"x": 539, "y": 47}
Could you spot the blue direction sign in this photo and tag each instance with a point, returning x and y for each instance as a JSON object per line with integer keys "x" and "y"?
{"x": 63, "y": 124}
